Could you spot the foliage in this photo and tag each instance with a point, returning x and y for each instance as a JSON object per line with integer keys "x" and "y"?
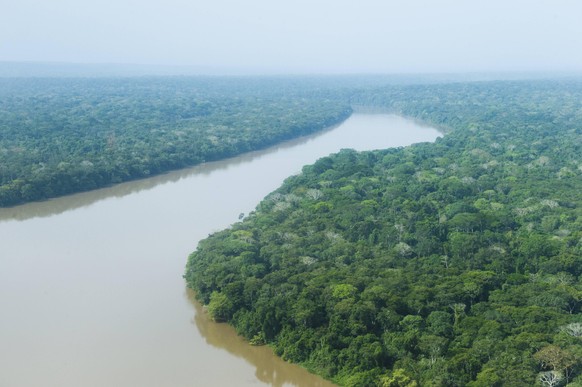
{"x": 64, "y": 135}
{"x": 446, "y": 264}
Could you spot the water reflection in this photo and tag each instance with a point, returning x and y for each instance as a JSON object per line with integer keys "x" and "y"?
{"x": 83, "y": 199}
{"x": 270, "y": 369}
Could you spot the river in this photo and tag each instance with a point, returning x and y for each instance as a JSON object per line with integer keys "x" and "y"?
{"x": 91, "y": 288}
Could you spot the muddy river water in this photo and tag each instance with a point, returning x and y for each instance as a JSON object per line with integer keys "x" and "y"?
{"x": 91, "y": 288}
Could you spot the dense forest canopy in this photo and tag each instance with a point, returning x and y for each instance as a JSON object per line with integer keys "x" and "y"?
{"x": 64, "y": 135}
{"x": 454, "y": 263}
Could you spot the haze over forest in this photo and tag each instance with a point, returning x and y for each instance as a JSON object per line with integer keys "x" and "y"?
{"x": 261, "y": 36}
{"x": 453, "y": 263}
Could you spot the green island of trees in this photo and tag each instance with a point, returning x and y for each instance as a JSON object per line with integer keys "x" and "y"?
{"x": 453, "y": 263}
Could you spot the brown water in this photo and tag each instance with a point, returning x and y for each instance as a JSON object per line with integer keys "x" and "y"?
{"x": 91, "y": 288}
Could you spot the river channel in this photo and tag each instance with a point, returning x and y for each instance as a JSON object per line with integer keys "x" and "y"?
{"x": 91, "y": 288}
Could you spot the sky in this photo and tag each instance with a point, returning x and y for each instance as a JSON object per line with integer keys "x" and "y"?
{"x": 300, "y": 36}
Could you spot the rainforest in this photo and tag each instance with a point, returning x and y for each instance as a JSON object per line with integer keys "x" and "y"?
{"x": 451, "y": 263}
{"x": 454, "y": 263}
{"x": 64, "y": 135}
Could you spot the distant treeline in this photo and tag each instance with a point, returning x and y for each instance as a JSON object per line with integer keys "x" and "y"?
{"x": 454, "y": 263}
{"x": 64, "y": 135}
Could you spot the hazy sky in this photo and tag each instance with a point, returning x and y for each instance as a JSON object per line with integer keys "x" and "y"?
{"x": 299, "y": 35}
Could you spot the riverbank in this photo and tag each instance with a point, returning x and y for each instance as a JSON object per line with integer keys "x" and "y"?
{"x": 402, "y": 265}
{"x": 61, "y": 136}
{"x": 98, "y": 298}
